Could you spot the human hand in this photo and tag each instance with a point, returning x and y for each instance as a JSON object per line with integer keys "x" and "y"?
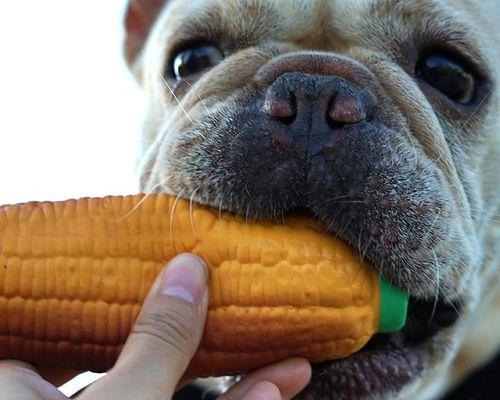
{"x": 158, "y": 350}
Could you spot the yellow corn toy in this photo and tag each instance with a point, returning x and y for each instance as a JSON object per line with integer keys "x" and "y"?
{"x": 73, "y": 276}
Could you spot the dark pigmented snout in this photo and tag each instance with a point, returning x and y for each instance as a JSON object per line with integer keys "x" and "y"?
{"x": 294, "y": 92}
{"x": 314, "y": 106}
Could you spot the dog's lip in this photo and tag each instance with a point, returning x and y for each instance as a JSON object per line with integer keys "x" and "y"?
{"x": 384, "y": 364}
{"x": 389, "y": 361}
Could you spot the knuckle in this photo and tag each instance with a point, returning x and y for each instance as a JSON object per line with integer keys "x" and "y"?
{"x": 169, "y": 326}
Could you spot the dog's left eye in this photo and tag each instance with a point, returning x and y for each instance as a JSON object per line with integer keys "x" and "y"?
{"x": 450, "y": 77}
{"x": 195, "y": 59}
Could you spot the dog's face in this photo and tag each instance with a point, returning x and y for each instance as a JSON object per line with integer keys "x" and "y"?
{"x": 378, "y": 117}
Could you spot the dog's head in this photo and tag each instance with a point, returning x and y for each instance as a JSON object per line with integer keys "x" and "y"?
{"x": 378, "y": 117}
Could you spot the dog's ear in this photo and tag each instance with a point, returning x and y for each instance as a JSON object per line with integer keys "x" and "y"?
{"x": 139, "y": 18}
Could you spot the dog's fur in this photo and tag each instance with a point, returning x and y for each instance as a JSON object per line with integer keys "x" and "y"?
{"x": 454, "y": 151}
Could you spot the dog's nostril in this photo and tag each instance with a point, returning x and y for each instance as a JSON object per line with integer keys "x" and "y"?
{"x": 306, "y": 114}
{"x": 346, "y": 108}
{"x": 326, "y": 101}
{"x": 282, "y": 108}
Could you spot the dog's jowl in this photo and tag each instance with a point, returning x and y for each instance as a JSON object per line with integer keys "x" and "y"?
{"x": 379, "y": 118}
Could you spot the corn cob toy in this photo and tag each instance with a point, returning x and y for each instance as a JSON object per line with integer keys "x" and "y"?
{"x": 73, "y": 276}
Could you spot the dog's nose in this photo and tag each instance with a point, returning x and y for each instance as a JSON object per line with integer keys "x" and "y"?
{"x": 318, "y": 104}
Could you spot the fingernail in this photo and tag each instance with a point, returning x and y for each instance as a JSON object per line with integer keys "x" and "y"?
{"x": 184, "y": 278}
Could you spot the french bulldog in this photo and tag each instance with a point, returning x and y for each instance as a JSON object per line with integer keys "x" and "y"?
{"x": 379, "y": 118}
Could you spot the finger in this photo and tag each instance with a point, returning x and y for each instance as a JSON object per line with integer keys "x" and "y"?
{"x": 20, "y": 381}
{"x": 16, "y": 365}
{"x": 263, "y": 391}
{"x": 290, "y": 376}
{"x": 165, "y": 335}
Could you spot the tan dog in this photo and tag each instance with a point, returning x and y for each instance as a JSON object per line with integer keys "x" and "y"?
{"x": 378, "y": 117}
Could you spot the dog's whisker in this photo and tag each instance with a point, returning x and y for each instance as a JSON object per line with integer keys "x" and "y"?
{"x": 198, "y": 95}
{"x": 141, "y": 202}
{"x": 339, "y": 198}
{"x": 191, "y": 219}
{"x": 360, "y": 240}
{"x": 332, "y": 222}
{"x": 172, "y": 92}
{"x": 247, "y": 191}
{"x": 246, "y": 213}
{"x": 220, "y": 208}
{"x": 342, "y": 231}
{"x": 473, "y": 114}
{"x": 256, "y": 210}
{"x": 452, "y": 305}
{"x": 437, "y": 284}
{"x": 172, "y": 214}
{"x": 351, "y": 201}
{"x": 365, "y": 251}
{"x": 411, "y": 141}
{"x": 432, "y": 225}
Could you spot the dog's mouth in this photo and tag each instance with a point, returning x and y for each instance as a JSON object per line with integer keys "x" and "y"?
{"x": 389, "y": 361}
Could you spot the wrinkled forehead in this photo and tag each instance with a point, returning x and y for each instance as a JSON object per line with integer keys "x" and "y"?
{"x": 281, "y": 12}
{"x": 316, "y": 23}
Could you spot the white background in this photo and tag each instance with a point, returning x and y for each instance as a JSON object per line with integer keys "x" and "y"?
{"x": 70, "y": 112}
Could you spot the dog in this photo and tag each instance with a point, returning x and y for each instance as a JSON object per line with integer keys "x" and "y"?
{"x": 379, "y": 118}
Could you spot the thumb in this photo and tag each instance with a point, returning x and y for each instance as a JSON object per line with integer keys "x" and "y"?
{"x": 165, "y": 335}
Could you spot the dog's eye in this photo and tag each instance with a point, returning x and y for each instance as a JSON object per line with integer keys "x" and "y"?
{"x": 448, "y": 76}
{"x": 195, "y": 59}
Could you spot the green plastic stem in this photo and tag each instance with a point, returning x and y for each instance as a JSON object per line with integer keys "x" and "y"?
{"x": 393, "y": 307}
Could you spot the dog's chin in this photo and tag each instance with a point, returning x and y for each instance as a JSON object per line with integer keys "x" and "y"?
{"x": 389, "y": 362}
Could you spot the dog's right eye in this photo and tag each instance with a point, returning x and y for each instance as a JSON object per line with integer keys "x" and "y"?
{"x": 449, "y": 76}
{"x": 195, "y": 59}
